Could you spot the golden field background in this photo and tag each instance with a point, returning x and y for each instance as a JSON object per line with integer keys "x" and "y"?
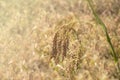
{"x": 27, "y": 29}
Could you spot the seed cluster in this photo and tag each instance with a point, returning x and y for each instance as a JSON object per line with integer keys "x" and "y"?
{"x": 60, "y": 45}
{"x": 62, "y": 38}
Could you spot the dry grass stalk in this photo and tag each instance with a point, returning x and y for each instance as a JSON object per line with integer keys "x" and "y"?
{"x": 54, "y": 49}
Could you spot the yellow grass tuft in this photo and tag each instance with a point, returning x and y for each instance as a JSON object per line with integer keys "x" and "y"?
{"x": 61, "y": 38}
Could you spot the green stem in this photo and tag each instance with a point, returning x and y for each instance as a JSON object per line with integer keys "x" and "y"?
{"x": 105, "y": 30}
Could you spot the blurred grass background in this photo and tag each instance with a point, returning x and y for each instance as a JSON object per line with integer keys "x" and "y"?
{"x": 27, "y": 28}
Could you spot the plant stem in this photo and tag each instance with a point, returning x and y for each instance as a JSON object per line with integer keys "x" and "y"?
{"x": 114, "y": 54}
